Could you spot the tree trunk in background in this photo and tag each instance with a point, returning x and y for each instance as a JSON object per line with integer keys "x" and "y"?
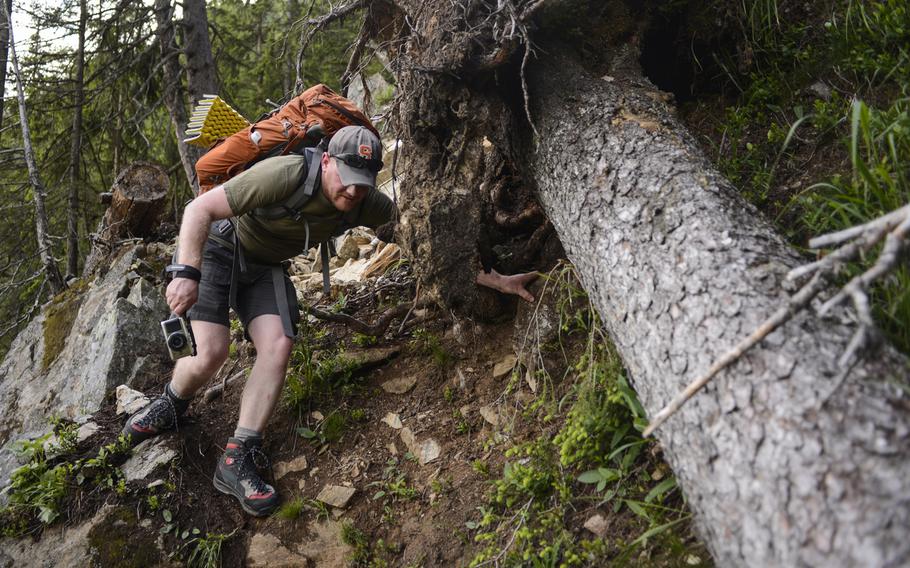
{"x": 72, "y": 219}
{"x": 41, "y": 226}
{"x": 783, "y": 463}
{"x": 200, "y": 66}
{"x": 173, "y": 87}
{"x": 5, "y": 17}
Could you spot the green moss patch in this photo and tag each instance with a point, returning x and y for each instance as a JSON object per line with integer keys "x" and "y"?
{"x": 59, "y": 319}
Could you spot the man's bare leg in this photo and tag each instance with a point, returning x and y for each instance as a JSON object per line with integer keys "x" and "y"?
{"x": 263, "y": 388}
{"x": 191, "y": 373}
{"x": 163, "y": 412}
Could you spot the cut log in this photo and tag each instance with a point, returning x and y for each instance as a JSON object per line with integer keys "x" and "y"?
{"x": 137, "y": 201}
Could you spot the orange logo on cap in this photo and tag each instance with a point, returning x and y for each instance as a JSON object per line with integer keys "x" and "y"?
{"x": 366, "y": 151}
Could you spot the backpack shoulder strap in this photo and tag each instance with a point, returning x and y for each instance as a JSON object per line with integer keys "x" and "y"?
{"x": 292, "y": 205}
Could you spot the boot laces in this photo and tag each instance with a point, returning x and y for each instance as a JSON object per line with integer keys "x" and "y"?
{"x": 161, "y": 414}
{"x": 252, "y": 460}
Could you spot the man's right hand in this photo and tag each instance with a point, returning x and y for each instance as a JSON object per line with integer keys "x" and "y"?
{"x": 181, "y": 294}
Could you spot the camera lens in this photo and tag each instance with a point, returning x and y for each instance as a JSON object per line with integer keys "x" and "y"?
{"x": 176, "y": 341}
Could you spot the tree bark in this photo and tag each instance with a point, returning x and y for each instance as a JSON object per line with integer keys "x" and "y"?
{"x": 784, "y": 460}
{"x": 72, "y": 219}
{"x": 136, "y": 204}
{"x": 200, "y": 66}
{"x": 5, "y": 28}
{"x": 173, "y": 87}
{"x": 38, "y": 192}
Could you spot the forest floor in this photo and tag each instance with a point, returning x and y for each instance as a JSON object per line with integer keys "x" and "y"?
{"x": 431, "y": 386}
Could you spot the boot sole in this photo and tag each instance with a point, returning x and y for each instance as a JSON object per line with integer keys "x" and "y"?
{"x": 223, "y": 487}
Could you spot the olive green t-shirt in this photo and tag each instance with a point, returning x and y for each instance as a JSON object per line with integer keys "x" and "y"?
{"x": 272, "y": 181}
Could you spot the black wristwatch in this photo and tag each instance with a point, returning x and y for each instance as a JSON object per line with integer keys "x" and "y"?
{"x": 183, "y": 271}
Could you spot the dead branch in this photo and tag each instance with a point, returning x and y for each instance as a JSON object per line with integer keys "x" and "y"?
{"x": 217, "y": 390}
{"x": 892, "y": 227}
{"x": 377, "y": 328}
{"x": 314, "y": 25}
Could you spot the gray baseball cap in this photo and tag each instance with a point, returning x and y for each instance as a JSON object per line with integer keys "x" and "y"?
{"x": 358, "y": 155}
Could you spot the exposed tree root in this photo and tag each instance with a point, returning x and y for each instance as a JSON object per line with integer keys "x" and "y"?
{"x": 377, "y": 328}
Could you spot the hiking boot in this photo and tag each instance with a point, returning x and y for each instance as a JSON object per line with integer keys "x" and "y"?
{"x": 155, "y": 417}
{"x": 237, "y": 475}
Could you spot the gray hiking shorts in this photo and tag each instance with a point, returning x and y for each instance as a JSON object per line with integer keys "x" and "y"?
{"x": 255, "y": 290}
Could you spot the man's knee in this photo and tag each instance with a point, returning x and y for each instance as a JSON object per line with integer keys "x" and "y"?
{"x": 269, "y": 339}
{"x": 210, "y": 357}
{"x": 276, "y": 350}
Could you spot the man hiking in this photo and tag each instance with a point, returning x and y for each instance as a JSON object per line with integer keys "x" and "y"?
{"x": 213, "y": 274}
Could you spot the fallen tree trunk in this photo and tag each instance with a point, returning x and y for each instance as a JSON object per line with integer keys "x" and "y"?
{"x": 786, "y": 460}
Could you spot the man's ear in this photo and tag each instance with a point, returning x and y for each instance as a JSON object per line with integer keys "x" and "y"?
{"x": 325, "y": 159}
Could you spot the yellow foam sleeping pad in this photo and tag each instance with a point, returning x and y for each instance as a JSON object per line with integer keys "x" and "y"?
{"x": 213, "y": 120}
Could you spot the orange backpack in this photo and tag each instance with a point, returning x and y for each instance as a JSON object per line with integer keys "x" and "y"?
{"x": 316, "y": 113}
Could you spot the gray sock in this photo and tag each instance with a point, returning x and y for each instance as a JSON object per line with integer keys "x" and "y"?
{"x": 247, "y": 435}
{"x": 180, "y": 404}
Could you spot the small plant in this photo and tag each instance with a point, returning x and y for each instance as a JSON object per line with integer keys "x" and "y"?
{"x": 291, "y": 510}
{"x": 206, "y": 551}
{"x": 426, "y": 343}
{"x": 320, "y": 509}
{"x": 363, "y": 340}
{"x": 481, "y": 467}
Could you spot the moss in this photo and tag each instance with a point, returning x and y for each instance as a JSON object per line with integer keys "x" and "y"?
{"x": 58, "y": 320}
{"x": 118, "y": 541}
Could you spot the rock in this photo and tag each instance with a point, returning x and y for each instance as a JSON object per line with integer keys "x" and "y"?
{"x": 505, "y": 366}
{"x": 531, "y": 379}
{"x": 267, "y": 551}
{"x": 83, "y": 344}
{"x": 426, "y": 451}
{"x": 393, "y": 420}
{"x": 820, "y": 90}
{"x": 400, "y": 385}
{"x": 336, "y": 495}
{"x": 393, "y": 449}
{"x": 379, "y": 89}
{"x": 147, "y": 456}
{"x": 371, "y": 357}
{"x": 351, "y": 272}
{"x": 317, "y": 416}
{"x": 129, "y": 400}
{"x": 364, "y": 251}
{"x": 86, "y": 431}
{"x": 89, "y": 543}
{"x": 429, "y": 450}
{"x": 597, "y": 525}
{"x": 490, "y": 414}
{"x": 409, "y": 441}
{"x": 297, "y": 464}
{"x": 461, "y": 380}
{"x": 350, "y": 243}
{"x": 382, "y": 260}
{"x": 325, "y": 546}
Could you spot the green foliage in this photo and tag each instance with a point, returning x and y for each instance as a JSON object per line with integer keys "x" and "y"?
{"x": 204, "y": 551}
{"x": 596, "y": 455}
{"x": 393, "y": 487}
{"x": 291, "y": 510}
{"x": 37, "y": 488}
{"x": 363, "y": 340}
{"x": 311, "y": 377}
{"x": 867, "y": 43}
{"x": 427, "y": 343}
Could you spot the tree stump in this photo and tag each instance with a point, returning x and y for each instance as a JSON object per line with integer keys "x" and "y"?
{"x": 136, "y": 203}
